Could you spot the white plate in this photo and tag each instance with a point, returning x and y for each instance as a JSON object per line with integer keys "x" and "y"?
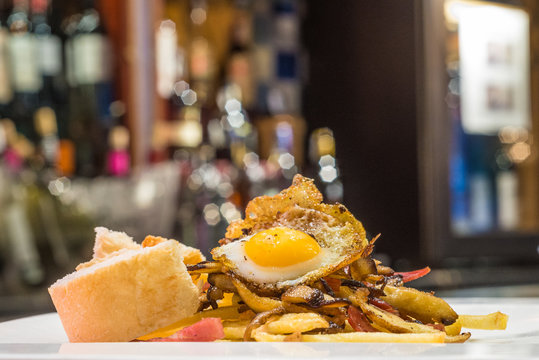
{"x": 42, "y": 337}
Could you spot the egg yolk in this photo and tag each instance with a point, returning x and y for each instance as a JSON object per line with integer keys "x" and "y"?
{"x": 280, "y": 246}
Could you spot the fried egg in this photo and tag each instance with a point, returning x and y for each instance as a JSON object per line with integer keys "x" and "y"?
{"x": 280, "y": 257}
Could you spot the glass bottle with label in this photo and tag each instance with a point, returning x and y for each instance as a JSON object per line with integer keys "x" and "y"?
{"x": 25, "y": 75}
{"x": 6, "y": 91}
{"x": 48, "y": 51}
{"x": 89, "y": 54}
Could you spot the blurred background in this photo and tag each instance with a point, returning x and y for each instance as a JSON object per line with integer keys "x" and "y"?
{"x": 166, "y": 117}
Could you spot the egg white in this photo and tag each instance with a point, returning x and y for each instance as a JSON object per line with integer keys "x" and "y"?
{"x": 249, "y": 270}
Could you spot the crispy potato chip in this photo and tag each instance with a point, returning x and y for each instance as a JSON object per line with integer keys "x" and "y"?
{"x": 493, "y": 321}
{"x": 294, "y": 322}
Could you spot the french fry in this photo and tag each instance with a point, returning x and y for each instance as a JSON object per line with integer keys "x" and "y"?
{"x": 263, "y": 336}
{"x": 453, "y": 329}
{"x": 420, "y": 305}
{"x": 256, "y": 303}
{"x": 457, "y": 338}
{"x": 293, "y": 322}
{"x": 379, "y": 337}
{"x": 225, "y": 313}
{"x": 362, "y": 337}
{"x": 234, "y": 330}
{"x": 392, "y": 322}
{"x": 493, "y": 321}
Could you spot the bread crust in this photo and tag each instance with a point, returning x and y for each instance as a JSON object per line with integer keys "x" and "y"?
{"x": 126, "y": 296}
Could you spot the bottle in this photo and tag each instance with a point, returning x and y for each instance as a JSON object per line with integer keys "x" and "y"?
{"x": 22, "y": 243}
{"x": 324, "y": 164}
{"x": 47, "y": 174}
{"x": 285, "y": 95}
{"x": 47, "y": 129}
{"x": 458, "y": 173}
{"x": 11, "y": 159}
{"x": 118, "y": 159}
{"x": 263, "y": 53}
{"x": 482, "y": 193}
{"x": 6, "y": 92}
{"x": 508, "y": 204}
{"x": 90, "y": 55}
{"x": 24, "y": 66}
{"x": 3, "y": 136}
{"x": 48, "y": 51}
{"x": 239, "y": 69}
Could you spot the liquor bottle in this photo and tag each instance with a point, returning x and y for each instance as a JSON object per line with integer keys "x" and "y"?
{"x": 90, "y": 56}
{"x": 47, "y": 174}
{"x": 202, "y": 63}
{"x": 48, "y": 51}
{"x": 285, "y": 95}
{"x": 188, "y": 129}
{"x": 202, "y": 68}
{"x": 508, "y": 204}
{"x": 166, "y": 50}
{"x": 263, "y": 53}
{"x": 3, "y": 138}
{"x": 66, "y": 161}
{"x": 324, "y": 165}
{"x": 24, "y": 66}
{"x": 23, "y": 247}
{"x": 482, "y": 195}
{"x": 507, "y": 199}
{"x": 239, "y": 68}
{"x": 47, "y": 129}
{"x": 118, "y": 159}
{"x": 6, "y": 92}
{"x": 11, "y": 159}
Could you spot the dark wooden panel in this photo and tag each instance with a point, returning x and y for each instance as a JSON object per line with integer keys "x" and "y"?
{"x": 362, "y": 84}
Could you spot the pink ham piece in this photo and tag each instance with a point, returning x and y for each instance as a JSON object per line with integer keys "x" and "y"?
{"x": 208, "y": 329}
{"x": 358, "y": 320}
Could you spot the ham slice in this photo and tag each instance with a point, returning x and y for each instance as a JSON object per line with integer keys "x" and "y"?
{"x": 358, "y": 320}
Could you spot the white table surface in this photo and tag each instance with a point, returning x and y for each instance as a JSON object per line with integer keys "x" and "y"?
{"x": 42, "y": 337}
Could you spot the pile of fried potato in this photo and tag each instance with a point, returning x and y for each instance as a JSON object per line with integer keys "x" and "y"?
{"x": 320, "y": 312}
{"x": 359, "y": 301}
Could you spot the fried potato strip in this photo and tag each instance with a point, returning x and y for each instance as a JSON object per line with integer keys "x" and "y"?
{"x": 457, "y": 338}
{"x": 292, "y": 322}
{"x": 234, "y": 330}
{"x": 422, "y": 306}
{"x": 453, "y": 329}
{"x": 360, "y": 337}
{"x": 493, "y": 321}
{"x": 225, "y": 313}
{"x": 256, "y": 303}
{"x": 392, "y": 322}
